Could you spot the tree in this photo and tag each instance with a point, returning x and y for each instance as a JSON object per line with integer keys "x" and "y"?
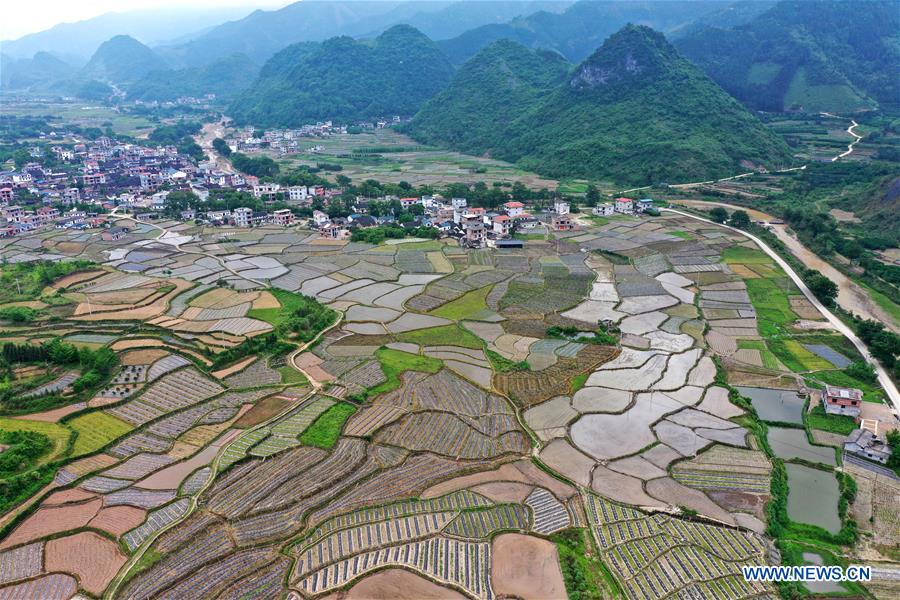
{"x": 822, "y": 288}
{"x": 221, "y": 147}
{"x": 592, "y": 195}
{"x": 740, "y": 219}
{"x": 893, "y": 440}
{"x": 718, "y": 214}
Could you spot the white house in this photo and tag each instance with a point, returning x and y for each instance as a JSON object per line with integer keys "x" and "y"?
{"x": 242, "y": 216}
{"x": 320, "y": 218}
{"x": 603, "y": 210}
{"x": 561, "y": 207}
{"x": 624, "y": 206}
{"x": 514, "y": 209}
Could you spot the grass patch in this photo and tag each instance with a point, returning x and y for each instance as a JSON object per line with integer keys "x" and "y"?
{"x": 504, "y": 365}
{"x": 769, "y": 360}
{"x": 597, "y": 220}
{"x": 395, "y": 362}
{"x": 773, "y": 308}
{"x": 292, "y": 376}
{"x": 682, "y": 234}
{"x": 796, "y": 357}
{"x": 298, "y": 316}
{"x": 58, "y": 434}
{"x": 424, "y": 246}
{"x": 578, "y": 381}
{"x": 747, "y": 256}
{"x": 445, "y": 335}
{"x": 95, "y": 430}
{"x": 871, "y": 393}
{"x": 817, "y": 418}
{"x": 529, "y": 236}
{"x": 326, "y": 429}
{"x": 465, "y": 306}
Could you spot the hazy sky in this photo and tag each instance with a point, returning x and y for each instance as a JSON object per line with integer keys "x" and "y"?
{"x": 28, "y": 16}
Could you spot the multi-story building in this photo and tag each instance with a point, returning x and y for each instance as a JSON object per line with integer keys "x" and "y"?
{"x": 283, "y": 217}
{"x": 561, "y": 207}
{"x": 243, "y": 216}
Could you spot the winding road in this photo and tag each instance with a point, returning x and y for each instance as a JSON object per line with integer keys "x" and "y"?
{"x": 883, "y": 378}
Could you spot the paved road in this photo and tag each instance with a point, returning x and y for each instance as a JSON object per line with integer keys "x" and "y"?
{"x": 870, "y": 466}
{"x": 883, "y": 378}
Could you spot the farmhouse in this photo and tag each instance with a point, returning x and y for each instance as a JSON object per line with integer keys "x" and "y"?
{"x": 561, "y": 207}
{"x": 561, "y": 223}
{"x": 114, "y": 233}
{"x": 866, "y": 444}
{"x": 603, "y": 210}
{"x": 624, "y": 206}
{"x": 842, "y": 401}
{"x": 514, "y": 209}
{"x": 501, "y": 225}
{"x": 283, "y": 217}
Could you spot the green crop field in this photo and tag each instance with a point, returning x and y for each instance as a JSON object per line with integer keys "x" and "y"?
{"x": 58, "y": 434}
{"x": 325, "y": 430}
{"x": 465, "y": 306}
{"x": 96, "y": 430}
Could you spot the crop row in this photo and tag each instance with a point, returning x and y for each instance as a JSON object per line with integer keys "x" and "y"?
{"x": 603, "y": 511}
{"x": 678, "y": 568}
{"x": 464, "y": 564}
{"x": 101, "y": 484}
{"x": 294, "y": 483}
{"x": 174, "y": 391}
{"x": 721, "y": 480}
{"x": 164, "y": 365}
{"x": 549, "y": 513}
{"x": 446, "y": 391}
{"x": 209, "y": 547}
{"x": 395, "y": 483}
{"x": 262, "y": 481}
{"x": 729, "y": 544}
{"x": 140, "y": 442}
{"x": 729, "y": 588}
{"x": 264, "y": 582}
{"x": 55, "y": 585}
{"x": 21, "y": 562}
{"x": 138, "y": 497}
{"x": 348, "y": 542}
{"x": 156, "y": 520}
{"x": 455, "y": 501}
{"x": 238, "y": 448}
{"x": 480, "y": 524}
{"x": 139, "y": 466}
{"x": 446, "y": 434}
{"x": 206, "y": 581}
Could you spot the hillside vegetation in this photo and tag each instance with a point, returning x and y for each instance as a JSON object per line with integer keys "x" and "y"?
{"x": 635, "y": 112}
{"x": 346, "y": 80}
{"x": 809, "y": 56}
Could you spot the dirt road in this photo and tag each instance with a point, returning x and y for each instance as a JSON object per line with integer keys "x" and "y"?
{"x": 205, "y": 138}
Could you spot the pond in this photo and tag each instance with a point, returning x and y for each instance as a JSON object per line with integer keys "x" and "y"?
{"x": 783, "y": 406}
{"x": 820, "y": 587}
{"x": 788, "y": 443}
{"x": 813, "y": 497}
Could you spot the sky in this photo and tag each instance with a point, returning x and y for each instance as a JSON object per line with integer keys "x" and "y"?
{"x": 21, "y": 17}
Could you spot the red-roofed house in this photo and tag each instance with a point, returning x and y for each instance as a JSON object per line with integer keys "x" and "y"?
{"x": 842, "y": 401}
{"x": 514, "y": 209}
{"x": 501, "y": 224}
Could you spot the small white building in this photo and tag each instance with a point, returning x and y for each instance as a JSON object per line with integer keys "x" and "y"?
{"x": 320, "y": 218}
{"x": 561, "y": 207}
{"x": 242, "y": 216}
{"x": 603, "y": 210}
{"x": 514, "y": 209}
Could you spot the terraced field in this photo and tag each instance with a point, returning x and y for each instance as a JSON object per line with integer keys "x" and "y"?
{"x": 469, "y": 410}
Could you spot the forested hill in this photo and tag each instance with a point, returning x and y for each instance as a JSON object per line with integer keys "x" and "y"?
{"x": 810, "y": 56}
{"x": 121, "y": 59}
{"x": 635, "y": 112}
{"x": 345, "y": 80}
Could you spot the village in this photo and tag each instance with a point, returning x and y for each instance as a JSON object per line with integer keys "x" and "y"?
{"x": 89, "y": 180}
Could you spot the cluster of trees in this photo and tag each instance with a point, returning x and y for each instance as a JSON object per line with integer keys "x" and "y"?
{"x": 95, "y": 366}
{"x": 738, "y": 218}
{"x": 261, "y": 344}
{"x": 221, "y": 146}
{"x": 24, "y": 448}
{"x": 305, "y": 317}
{"x": 179, "y": 135}
{"x": 376, "y": 235}
{"x": 258, "y": 166}
{"x": 883, "y": 343}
